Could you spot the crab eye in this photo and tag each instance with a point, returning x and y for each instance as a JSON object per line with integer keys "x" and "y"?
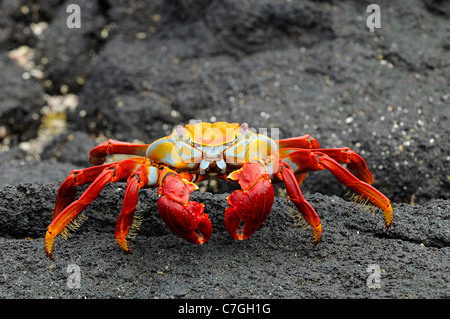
{"x": 244, "y": 128}
{"x": 180, "y": 130}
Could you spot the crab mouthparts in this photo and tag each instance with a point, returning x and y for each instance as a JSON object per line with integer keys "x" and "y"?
{"x": 212, "y": 165}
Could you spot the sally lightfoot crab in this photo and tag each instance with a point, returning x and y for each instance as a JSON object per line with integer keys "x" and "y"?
{"x": 199, "y": 151}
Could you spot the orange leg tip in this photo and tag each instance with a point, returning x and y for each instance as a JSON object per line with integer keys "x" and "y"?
{"x": 317, "y": 234}
{"x": 48, "y": 245}
{"x": 123, "y": 245}
{"x": 388, "y": 217}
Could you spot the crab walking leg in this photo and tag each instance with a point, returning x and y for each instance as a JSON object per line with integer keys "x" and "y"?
{"x": 369, "y": 192}
{"x": 311, "y": 160}
{"x": 112, "y": 173}
{"x": 143, "y": 176}
{"x": 68, "y": 190}
{"x": 185, "y": 218}
{"x": 295, "y": 195}
{"x": 99, "y": 153}
{"x": 355, "y": 163}
{"x": 305, "y": 141}
{"x": 71, "y": 211}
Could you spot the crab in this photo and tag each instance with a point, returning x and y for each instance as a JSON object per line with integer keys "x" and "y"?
{"x": 195, "y": 152}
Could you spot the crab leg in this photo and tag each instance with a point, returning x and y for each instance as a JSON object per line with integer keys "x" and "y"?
{"x": 305, "y": 141}
{"x": 111, "y": 173}
{"x": 312, "y": 160}
{"x": 355, "y": 163}
{"x": 369, "y": 192}
{"x": 295, "y": 195}
{"x": 98, "y": 154}
{"x": 139, "y": 179}
{"x": 68, "y": 190}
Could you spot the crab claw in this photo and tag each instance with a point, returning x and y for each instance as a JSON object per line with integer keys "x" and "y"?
{"x": 185, "y": 218}
{"x": 252, "y": 204}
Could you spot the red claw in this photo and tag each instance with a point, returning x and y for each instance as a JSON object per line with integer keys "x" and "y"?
{"x": 185, "y": 218}
{"x": 252, "y": 204}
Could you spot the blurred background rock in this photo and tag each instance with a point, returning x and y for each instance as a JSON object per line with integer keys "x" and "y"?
{"x": 136, "y": 69}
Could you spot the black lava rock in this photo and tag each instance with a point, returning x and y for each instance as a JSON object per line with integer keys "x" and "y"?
{"x": 21, "y": 101}
{"x": 278, "y": 261}
{"x": 139, "y": 68}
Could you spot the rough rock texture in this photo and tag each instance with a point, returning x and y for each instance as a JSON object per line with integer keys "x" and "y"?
{"x": 138, "y": 68}
{"x": 21, "y": 101}
{"x": 278, "y": 261}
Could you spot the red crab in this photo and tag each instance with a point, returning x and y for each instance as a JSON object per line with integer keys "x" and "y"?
{"x": 196, "y": 152}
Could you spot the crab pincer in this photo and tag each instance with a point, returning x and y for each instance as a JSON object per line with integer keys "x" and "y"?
{"x": 185, "y": 218}
{"x": 250, "y": 206}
